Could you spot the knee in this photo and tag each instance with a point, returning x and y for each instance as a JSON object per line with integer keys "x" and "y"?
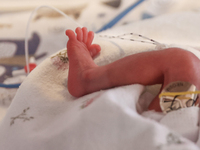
{"x": 182, "y": 58}
{"x": 183, "y": 63}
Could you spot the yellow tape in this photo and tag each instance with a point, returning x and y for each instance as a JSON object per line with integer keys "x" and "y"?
{"x": 178, "y": 93}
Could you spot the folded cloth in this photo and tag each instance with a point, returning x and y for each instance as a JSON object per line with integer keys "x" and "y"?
{"x": 102, "y": 120}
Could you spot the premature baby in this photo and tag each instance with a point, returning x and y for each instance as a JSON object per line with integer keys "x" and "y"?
{"x": 155, "y": 67}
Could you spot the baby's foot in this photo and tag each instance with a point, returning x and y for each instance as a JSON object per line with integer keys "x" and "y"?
{"x": 80, "y": 52}
{"x": 83, "y": 39}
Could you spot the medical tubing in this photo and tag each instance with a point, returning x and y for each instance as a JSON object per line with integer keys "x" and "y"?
{"x": 120, "y": 16}
{"x": 28, "y": 25}
{"x": 10, "y": 85}
{"x": 26, "y": 41}
{"x": 150, "y": 41}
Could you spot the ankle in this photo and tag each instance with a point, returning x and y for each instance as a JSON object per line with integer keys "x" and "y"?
{"x": 81, "y": 85}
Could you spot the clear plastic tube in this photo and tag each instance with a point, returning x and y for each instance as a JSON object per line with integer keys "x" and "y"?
{"x": 28, "y": 26}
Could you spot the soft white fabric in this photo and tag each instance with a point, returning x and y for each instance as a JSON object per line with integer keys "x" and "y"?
{"x": 184, "y": 121}
{"x": 103, "y": 120}
{"x": 43, "y": 115}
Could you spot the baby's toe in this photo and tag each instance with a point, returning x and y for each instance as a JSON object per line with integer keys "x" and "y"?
{"x": 70, "y": 34}
{"x": 94, "y": 50}
{"x": 79, "y": 34}
{"x": 85, "y": 34}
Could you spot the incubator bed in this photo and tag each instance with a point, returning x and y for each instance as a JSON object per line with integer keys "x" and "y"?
{"x": 43, "y": 115}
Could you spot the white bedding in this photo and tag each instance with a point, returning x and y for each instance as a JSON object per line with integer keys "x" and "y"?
{"x": 43, "y": 115}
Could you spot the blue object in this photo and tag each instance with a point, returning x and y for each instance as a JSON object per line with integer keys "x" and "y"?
{"x": 147, "y": 16}
{"x": 120, "y": 16}
{"x": 10, "y": 85}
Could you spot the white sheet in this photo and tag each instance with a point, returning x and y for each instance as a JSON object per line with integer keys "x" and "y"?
{"x": 43, "y": 115}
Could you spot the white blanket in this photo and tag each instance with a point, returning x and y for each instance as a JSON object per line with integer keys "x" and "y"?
{"x": 43, "y": 115}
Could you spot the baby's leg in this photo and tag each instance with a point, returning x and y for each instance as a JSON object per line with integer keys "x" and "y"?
{"x": 80, "y": 52}
{"x": 86, "y": 77}
{"x": 179, "y": 65}
{"x": 148, "y": 68}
